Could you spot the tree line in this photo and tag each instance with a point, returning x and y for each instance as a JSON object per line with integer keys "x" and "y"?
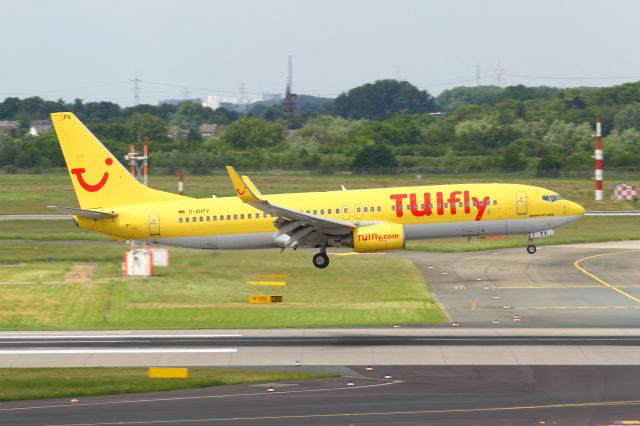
{"x": 382, "y": 127}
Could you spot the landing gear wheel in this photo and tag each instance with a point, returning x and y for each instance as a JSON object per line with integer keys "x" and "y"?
{"x": 321, "y": 260}
{"x": 531, "y": 249}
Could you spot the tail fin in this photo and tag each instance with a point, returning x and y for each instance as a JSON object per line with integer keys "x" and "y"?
{"x": 99, "y": 179}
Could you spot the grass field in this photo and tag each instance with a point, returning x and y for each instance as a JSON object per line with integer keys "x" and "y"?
{"x": 39, "y": 383}
{"x": 206, "y": 290}
{"x": 22, "y": 194}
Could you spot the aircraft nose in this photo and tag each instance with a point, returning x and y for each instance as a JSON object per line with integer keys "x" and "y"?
{"x": 575, "y": 209}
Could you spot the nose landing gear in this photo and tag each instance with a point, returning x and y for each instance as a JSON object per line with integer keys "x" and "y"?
{"x": 531, "y": 248}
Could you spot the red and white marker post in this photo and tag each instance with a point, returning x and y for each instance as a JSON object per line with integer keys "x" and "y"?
{"x": 598, "y": 158}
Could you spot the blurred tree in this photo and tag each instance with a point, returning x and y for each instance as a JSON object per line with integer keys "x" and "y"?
{"x": 382, "y": 99}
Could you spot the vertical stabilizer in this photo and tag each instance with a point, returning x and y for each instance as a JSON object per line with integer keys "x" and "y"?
{"x": 98, "y": 178}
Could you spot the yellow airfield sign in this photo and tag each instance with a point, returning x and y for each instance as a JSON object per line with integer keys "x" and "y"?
{"x": 265, "y": 299}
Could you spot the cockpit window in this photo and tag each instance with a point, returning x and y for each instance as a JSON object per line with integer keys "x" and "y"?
{"x": 551, "y": 198}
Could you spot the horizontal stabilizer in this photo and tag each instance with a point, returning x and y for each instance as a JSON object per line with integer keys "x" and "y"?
{"x": 89, "y": 214}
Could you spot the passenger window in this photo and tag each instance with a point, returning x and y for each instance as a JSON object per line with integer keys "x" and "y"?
{"x": 186, "y": 219}
{"x": 446, "y": 205}
{"x": 235, "y": 217}
{"x": 242, "y": 216}
{"x": 179, "y": 220}
{"x": 495, "y": 203}
{"x": 195, "y": 219}
{"x": 215, "y": 218}
{"x": 228, "y": 217}
{"x": 438, "y": 205}
{"x": 315, "y": 212}
{"x": 322, "y": 211}
{"x": 337, "y": 211}
{"x": 466, "y": 204}
{"x": 371, "y": 209}
{"x": 264, "y": 215}
{"x": 221, "y": 217}
{"x": 366, "y": 209}
{"x": 249, "y": 216}
{"x": 460, "y": 204}
{"x": 329, "y": 211}
{"x": 201, "y": 219}
{"x": 475, "y": 204}
{"x": 208, "y": 218}
{"x": 379, "y": 208}
{"x": 393, "y": 208}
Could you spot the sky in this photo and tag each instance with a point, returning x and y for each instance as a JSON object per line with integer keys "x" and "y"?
{"x": 93, "y": 50}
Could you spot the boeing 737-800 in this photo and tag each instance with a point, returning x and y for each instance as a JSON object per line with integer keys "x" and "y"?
{"x": 113, "y": 202}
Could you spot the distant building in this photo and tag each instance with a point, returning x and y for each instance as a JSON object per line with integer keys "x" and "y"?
{"x": 212, "y": 102}
{"x": 289, "y": 105}
{"x": 7, "y": 125}
{"x": 207, "y": 130}
{"x": 173, "y": 131}
{"x": 39, "y": 126}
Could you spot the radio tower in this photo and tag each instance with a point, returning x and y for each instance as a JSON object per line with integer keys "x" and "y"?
{"x": 289, "y": 109}
{"x": 136, "y": 90}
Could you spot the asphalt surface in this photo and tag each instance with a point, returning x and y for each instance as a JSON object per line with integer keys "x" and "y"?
{"x": 415, "y": 395}
{"x": 546, "y": 289}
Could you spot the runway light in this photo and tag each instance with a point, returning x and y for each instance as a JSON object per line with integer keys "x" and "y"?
{"x": 495, "y": 296}
{"x": 396, "y": 326}
{"x": 507, "y": 307}
{"x": 270, "y": 390}
{"x": 478, "y": 279}
{"x": 351, "y": 384}
{"x": 444, "y": 273}
{"x": 495, "y": 252}
{"x": 429, "y": 267}
{"x": 74, "y": 401}
{"x": 388, "y": 376}
{"x": 486, "y": 287}
{"x": 369, "y": 368}
{"x": 496, "y": 321}
{"x": 516, "y": 317}
{"x": 297, "y": 363}
{"x": 455, "y": 324}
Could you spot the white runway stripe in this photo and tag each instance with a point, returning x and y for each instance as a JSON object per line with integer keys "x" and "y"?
{"x": 111, "y": 336}
{"x": 115, "y": 351}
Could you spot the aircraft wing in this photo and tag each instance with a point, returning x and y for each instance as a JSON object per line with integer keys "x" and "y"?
{"x": 89, "y": 214}
{"x": 299, "y": 226}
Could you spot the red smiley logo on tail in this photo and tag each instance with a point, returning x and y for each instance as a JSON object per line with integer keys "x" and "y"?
{"x": 241, "y": 191}
{"x": 87, "y": 186}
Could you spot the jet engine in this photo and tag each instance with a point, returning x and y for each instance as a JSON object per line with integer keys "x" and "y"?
{"x": 379, "y": 237}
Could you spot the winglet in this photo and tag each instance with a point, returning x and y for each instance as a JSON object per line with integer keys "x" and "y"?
{"x": 244, "y": 190}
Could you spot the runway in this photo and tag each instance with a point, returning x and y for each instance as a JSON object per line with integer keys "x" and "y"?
{"x": 323, "y": 347}
{"x": 414, "y": 395}
{"x": 580, "y": 285}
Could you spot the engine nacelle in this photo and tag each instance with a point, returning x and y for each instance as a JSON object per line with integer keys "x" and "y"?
{"x": 380, "y": 237}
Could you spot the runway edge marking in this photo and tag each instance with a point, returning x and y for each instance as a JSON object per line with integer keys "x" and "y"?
{"x": 601, "y": 281}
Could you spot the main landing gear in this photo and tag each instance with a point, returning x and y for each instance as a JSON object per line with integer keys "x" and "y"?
{"x": 531, "y": 248}
{"x": 321, "y": 260}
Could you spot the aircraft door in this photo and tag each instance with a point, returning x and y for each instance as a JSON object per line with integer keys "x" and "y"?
{"x": 154, "y": 223}
{"x": 346, "y": 215}
{"x": 359, "y": 212}
{"x": 521, "y": 202}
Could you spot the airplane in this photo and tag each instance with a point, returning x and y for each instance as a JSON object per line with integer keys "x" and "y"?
{"x": 111, "y": 201}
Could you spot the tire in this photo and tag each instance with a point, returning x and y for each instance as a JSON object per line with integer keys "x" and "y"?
{"x": 321, "y": 260}
{"x": 531, "y": 249}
